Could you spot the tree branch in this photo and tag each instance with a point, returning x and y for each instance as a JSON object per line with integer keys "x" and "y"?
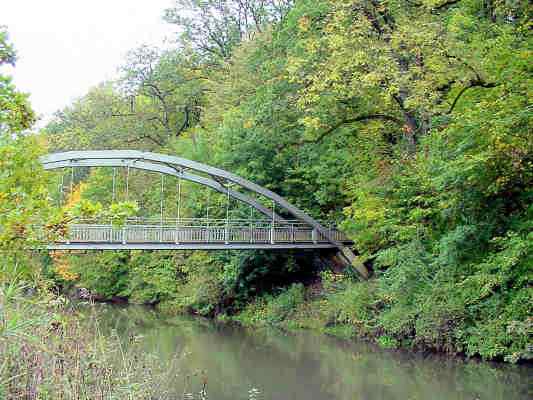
{"x": 445, "y": 5}
{"x": 475, "y": 83}
{"x": 361, "y": 118}
{"x": 122, "y": 115}
{"x": 185, "y": 124}
{"x": 151, "y": 138}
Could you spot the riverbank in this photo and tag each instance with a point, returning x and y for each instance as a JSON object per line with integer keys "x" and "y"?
{"x": 52, "y": 347}
{"x": 456, "y": 315}
{"x": 337, "y": 305}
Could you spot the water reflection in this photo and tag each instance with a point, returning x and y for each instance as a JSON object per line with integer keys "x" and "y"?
{"x": 304, "y": 365}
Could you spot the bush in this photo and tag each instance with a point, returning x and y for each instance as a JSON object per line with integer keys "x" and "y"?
{"x": 199, "y": 288}
{"x": 273, "y": 309}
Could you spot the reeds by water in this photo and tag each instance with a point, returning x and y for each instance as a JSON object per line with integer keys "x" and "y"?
{"x": 48, "y": 352}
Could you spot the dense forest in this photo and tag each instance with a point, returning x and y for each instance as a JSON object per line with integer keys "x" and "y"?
{"x": 406, "y": 121}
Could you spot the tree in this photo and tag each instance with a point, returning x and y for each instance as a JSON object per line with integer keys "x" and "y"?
{"x": 158, "y": 97}
{"x": 400, "y": 62}
{"x": 24, "y": 203}
{"x": 215, "y": 27}
{"x": 16, "y": 114}
{"x": 172, "y": 83}
{"x": 7, "y": 52}
{"x": 410, "y": 121}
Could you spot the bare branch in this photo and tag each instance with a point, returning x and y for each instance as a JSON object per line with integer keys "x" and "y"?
{"x": 185, "y": 124}
{"x": 445, "y": 5}
{"x": 475, "y": 83}
{"x": 361, "y": 118}
{"x": 151, "y": 138}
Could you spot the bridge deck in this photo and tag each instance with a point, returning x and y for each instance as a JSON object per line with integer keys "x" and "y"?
{"x": 188, "y": 246}
{"x": 168, "y": 237}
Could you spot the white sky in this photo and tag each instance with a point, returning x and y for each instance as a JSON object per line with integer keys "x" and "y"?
{"x": 65, "y": 47}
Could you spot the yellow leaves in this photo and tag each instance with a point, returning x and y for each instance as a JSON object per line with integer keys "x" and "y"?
{"x": 62, "y": 266}
{"x": 304, "y": 23}
{"x": 41, "y": 140}
{"x": 75, "y": 197}
{"x": 338, "y": 41}
{"x": 313, "y": 123}
{"x": 502, "y": 181}
{"x": 368, "y": 214}
{"x": 294, "y": 65}
{"x": 248, "y": 124}
{"x": 312, "y": 46}
{"x": 372, "y": 78}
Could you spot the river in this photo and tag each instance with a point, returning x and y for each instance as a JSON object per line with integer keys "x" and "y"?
{"x": 236, "y": 363}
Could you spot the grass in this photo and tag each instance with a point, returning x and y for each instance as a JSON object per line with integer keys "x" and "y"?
{"x": 48, "y": 351}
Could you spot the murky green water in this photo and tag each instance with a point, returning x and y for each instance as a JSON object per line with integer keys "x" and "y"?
{"x": 304, "y": 366}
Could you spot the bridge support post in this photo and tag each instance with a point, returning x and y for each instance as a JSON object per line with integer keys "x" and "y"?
{"x": 123, "y": 235}
{"x": 272, "y": 234}
{"x": 352, "y": 260}
{"x": 292, "y": 233}
{"x": 314, "y": 236}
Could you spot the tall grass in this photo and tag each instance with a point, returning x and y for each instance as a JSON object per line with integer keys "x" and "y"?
{"x": 48, "y": 352}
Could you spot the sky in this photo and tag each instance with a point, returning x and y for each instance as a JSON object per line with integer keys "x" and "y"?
{"x": 65, "y": 47}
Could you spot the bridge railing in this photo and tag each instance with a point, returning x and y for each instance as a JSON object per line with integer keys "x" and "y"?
{"x": 196, "y": 231}
{"x": 201, "y": 222}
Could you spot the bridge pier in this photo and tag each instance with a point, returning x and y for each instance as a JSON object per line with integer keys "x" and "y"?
{"x": 350, "y": 259}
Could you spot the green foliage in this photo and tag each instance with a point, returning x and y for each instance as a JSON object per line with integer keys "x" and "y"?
{"x": 24, "y": 205}
{"x": 16, "y": 114}
{"x": 23, "y": 192}
{"x": 271, "y": 309}
{"x": 387, "y": 342}
{"x": 200, "y": 286}
{"x": 409, "y": 123}
{"x": 117, "y": 213}
{"x": 152, "y": 277}
{"x": 106, "y": 274}
{"x": 215, "y": 28}
{"x": 120, "y": 212}
{"x": 7, "y": 52}
{"x": 86, "y": 209}
{"x": 25, "y": 210}
{"x": 143, "y": 277}
{"x": 248, "y": 274}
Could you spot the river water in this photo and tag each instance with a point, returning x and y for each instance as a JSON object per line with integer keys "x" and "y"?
{"x": 259, "y": 364}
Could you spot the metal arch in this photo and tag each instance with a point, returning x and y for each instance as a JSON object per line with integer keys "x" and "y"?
{"x": 141, "y": 165}
{"x": 125, "y": 155}
{"x": 183, "y": 163}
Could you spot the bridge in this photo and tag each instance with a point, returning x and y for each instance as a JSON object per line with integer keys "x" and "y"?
{"x": 271, "y": 232}
{"x": 197, "y": 233}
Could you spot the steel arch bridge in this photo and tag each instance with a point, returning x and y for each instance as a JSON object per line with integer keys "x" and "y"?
{"x": 273, "y": 232}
